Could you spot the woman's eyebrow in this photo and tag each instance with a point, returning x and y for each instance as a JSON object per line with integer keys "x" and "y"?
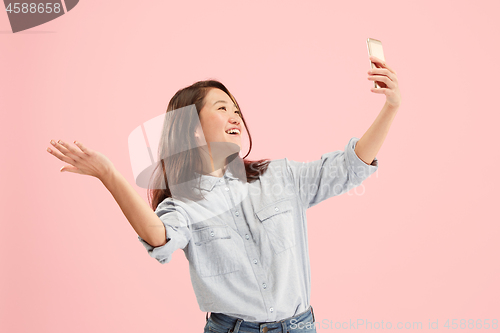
{"x": 225, "y": 103}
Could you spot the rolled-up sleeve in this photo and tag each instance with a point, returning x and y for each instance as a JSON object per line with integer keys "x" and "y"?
{"x": 335, "y": 173}
{"x": 177, "y": 232}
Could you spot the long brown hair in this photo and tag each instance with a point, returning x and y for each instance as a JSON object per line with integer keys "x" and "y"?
{"x": 176, "y": 167}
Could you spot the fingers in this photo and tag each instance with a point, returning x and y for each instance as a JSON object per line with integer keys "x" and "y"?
{"x": 376, "y": 61}
{"x": 388, "y": 76}
{"x": 383, "y": 73}
{"x": 82, "y": 147}
{"x": 62, "y": 156}
{"x": 381, "y": 64}
{"x": 381, "y": 78}
{"x": 391, "y": 70}
{"x": 68, "y": 150}
{"x": 65, "y": 147}
{"x": 81, "y": 160}
{"x": 389, "y": 79}
{"x": 379, "y": 90}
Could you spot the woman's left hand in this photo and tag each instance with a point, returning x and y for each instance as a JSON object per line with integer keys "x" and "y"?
{"x": 388, "y": 76}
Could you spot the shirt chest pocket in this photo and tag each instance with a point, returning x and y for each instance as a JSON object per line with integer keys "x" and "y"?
{"x": 215, "y": 251}
{"x": 277, "y": 220}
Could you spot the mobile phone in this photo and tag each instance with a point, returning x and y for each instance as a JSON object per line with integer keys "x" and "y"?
{"x": 375, "y": 49}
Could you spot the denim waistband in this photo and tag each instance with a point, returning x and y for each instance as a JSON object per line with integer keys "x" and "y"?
{"x": 231, "y": 322}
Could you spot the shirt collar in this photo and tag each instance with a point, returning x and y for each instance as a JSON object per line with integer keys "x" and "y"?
{"x": 208, "y": 182}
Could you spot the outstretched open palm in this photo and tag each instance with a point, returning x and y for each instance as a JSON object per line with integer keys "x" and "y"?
{"x": 82, "y": 160}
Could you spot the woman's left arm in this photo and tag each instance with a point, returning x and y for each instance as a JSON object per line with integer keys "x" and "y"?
{"x": 368, "y": 146}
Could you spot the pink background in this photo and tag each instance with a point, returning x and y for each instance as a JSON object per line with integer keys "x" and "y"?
{"x": 418, "y": 241}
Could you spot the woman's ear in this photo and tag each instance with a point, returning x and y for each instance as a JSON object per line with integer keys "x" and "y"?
{"x": 197, "y": 137}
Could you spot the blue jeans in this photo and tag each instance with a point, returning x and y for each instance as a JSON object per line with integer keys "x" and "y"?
{"x": 221, "y": 323}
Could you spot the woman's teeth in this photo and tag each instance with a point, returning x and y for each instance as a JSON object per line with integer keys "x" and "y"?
{"x": 233, "y": 132}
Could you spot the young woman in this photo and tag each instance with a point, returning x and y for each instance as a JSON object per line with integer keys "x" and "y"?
{"x": 241, "y": 224}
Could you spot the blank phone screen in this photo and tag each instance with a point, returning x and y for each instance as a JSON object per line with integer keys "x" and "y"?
{"x": 377, "y": 50}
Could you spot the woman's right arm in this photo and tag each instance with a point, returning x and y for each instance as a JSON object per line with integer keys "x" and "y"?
{"x": 142, "y": 218}
{"x": 86, "y": 161}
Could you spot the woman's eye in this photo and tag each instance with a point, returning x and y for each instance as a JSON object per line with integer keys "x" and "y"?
{"x": 223, "y": 107}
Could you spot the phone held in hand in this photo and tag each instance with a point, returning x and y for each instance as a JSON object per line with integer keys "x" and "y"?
{"x": 375, "y": 49}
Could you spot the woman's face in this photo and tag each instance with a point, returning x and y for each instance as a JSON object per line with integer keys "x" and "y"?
{"x": 218, "y": 116}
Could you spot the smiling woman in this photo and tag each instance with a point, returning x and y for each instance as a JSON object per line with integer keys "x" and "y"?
{"x": 217, "y": 111}
{"x": 243, "y": 226}
{"x": 244, "y": 234}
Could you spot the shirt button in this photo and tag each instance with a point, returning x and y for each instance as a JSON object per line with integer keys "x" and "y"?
{"x": 255, "y": 261}
{"x": 247, "y": 237}
{"x": 237, "y": 213}
{"x": 221, "y": 181}
{"x": 276, "y": 208}
{"x": 264, "y": 286}
{"x": 212, "y": 233}
{"x": 227, "y": 188}
{"x": 271, "y": 309}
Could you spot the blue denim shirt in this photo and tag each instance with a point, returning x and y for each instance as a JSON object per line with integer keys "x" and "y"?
{"x": 247, "y": 242}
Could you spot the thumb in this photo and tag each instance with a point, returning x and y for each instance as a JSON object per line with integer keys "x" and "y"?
{"x": 68, "y": 168}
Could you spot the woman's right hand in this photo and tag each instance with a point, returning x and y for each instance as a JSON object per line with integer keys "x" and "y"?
{"x": 83, "y": 160}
